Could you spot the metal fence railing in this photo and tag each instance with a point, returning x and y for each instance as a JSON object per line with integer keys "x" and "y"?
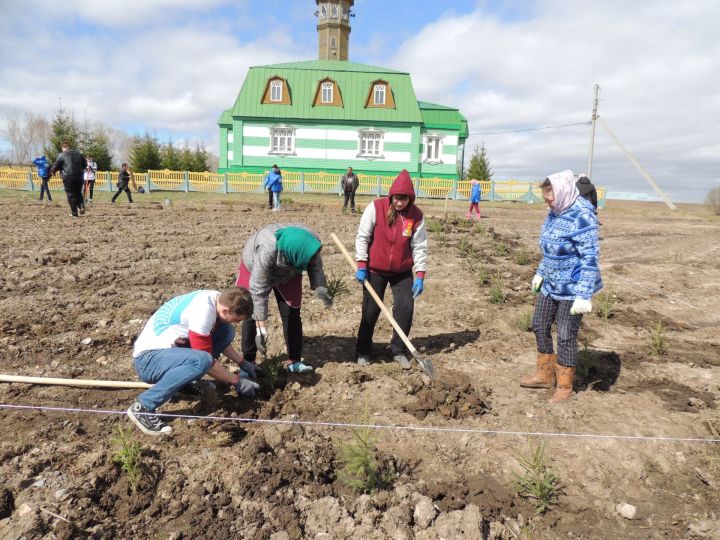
{"x": 293, "y": 182}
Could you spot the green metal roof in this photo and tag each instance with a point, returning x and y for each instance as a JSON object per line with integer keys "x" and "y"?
{"x": 353, "y": 79}
{"x": 440, "y": 116}
{"x": 226, "y": 117}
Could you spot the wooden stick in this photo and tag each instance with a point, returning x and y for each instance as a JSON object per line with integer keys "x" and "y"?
{"x": 72, "y": 382}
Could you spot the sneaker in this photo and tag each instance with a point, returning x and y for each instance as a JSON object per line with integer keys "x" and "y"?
{"x": 73, "y": 215}
{"x": 199, "y": 389}
{"x": 89, "y": 200}
{"x": 363, "y": 360}
{"x": 299, "y": 367}
{"x": 82, "y": 210}
{"x": 147, "y": 420}
{"x": 402, "y": 360}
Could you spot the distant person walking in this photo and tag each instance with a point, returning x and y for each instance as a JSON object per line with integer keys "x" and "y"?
{"x": 124, "y": 179}
{"x": 566, "y": 279}
{"x": 71, "y": 164}
{"x": 587, "y": 190}
{"x": 349, "y": 184}
{"x": 43, "y": 167}
{"x": 90, "y": 171}
{"x": 474, "y": 199}
{"x": 273, "y": 183}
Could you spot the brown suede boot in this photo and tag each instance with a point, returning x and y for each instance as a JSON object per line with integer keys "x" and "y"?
{"x": 545, "y": 373}
{"x": 564, "y": 376}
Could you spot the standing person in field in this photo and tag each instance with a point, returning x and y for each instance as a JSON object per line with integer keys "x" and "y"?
{"x": 391, "y": 244}
{"x": 43, "y": 167}
{"x": 71, "y": 165}
{"x": 273, "y": 260}
{"x": 90, "y": 171}
{"x": 349, "y": 184}
{"x": 564, "y": 282}
{"x": 273, "y": 183}
{"x": 474, "y": 199}
{"x": 181, "y": 343}
{"x": 124, "y": 179}
{"x": 587, "y": 190}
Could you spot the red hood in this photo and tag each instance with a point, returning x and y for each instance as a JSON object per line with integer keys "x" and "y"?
{"x": 403, "y": 186}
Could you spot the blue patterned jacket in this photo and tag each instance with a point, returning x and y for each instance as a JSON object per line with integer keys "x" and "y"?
{"x": 570, "y": 248}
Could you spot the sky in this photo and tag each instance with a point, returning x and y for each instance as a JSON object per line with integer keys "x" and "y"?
{"x": 172, "y": 66}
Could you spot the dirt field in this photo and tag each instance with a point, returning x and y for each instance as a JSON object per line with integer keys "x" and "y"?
{"x": 103, "y": 275}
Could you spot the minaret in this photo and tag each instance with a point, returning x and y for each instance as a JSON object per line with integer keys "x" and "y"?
{"x": 334, "y": 28}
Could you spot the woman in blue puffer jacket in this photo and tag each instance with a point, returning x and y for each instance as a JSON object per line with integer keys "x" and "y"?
{"x": 564, "y": 282}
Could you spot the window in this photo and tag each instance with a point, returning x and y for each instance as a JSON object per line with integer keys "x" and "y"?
{"x": 327, "y": 92}
{"x": 231, "y": 137}
{"x": 282, "y": 140}
{"x": 371, "y": 143}
{"x": 276, "y": 91}
{"x": 335, "y": 11}
{"x": 379, "y": 93}
{"x": 333, "y": 42}
{"x": 433, "y": 149}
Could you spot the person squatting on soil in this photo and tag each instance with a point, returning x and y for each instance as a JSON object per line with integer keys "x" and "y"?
{"x": 474, "y": 199}
{"x": 71, "y": 164}
{"x": 124, "y": 178}
{"x": 273, "y": 260}
{"x": 273, "y": 184}
{"x": 89, "y": 176}
{"x": 349, "y": 184}
{"x": 43, "y": 167}
{"x": 391, "y": 243}
{"x": 566, "y": 279}
{"x": 180, "y": 343}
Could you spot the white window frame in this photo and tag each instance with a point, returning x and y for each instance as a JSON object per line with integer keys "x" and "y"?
{"x": 282, "y": 140}
{"x": 330, "y": 87}
{"x": 433, "y": 148}
{"x": 230, "y": 137}
{"x": 379, "y": 90}
{"x": 276, "y": 84}
{"x": 371, "y": 143}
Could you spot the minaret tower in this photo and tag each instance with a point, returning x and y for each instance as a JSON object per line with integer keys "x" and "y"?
{"x": 334, "y": 28}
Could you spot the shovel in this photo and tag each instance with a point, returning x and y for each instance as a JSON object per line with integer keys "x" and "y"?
{"x": 425, "y": 364}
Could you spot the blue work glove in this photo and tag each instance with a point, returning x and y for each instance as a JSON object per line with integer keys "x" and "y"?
{"x": 417, "y": 287}
{"x": 361, "y": 274}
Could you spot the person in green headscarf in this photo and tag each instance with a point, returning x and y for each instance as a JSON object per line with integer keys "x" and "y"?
{"x": 274, "y": 259}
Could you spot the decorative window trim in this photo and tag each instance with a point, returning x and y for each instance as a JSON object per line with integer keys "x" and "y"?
{"x": 389, "y": 96}
{"x": 427, "y": 138}
{"x": 379, "y": 136}
{"x": 287, "y": 132}
{"x": 337, "y": 99}
{"x": 285, "y": 98}
{"x": 326, "y": 87}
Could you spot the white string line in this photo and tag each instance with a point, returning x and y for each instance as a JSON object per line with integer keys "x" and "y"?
{"x": 665, "y": 295}
{"x": 399, "y": 427}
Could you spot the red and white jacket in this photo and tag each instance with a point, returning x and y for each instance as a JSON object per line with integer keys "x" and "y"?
{"x": 395, "y": 249}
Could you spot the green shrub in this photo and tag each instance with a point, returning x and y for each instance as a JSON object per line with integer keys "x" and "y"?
{"x": 483, "y": 276}
{"x": 128, "y": 456}
{"x": 501, "y": 248}
{"x": 434, "y": 225}
{"x": 536, "y": 481}
{"x": 658, "y": 343}
{"x": 524, "y": 321}
{"x": 336, "y": 285}
{"x": 522, "y": 257}
{"x": 605, "y": 304}
{"x": 497, "y": 295}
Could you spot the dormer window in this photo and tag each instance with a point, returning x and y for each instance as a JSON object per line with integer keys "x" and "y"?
{"x": 380, "y": 96}
{"x": 328, "y": 94}
{"x": 276, "y": 92}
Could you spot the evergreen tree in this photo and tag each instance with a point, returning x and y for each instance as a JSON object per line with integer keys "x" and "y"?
{"x": 169, "y": 158}
{"x": 63, "y": 128}
{"x": 145, "y": 153}
{"x": 199, "y": 158}
{"x": 480, "y": 165}
{"x": 185, "y": 159}
{"x": 95, "y": 144}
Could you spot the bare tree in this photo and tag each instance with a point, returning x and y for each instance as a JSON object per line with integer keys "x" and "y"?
{"x": 713, "y": 200}
{"x": 37, "y": 128}
{"x": 28, "y": 134}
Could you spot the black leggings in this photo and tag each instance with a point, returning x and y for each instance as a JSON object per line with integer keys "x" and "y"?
{"x": 402, "y": 310}
{"x": 44, "y": 188}
{"x": 292, "y": 331}
{"x": 120, "y": 190}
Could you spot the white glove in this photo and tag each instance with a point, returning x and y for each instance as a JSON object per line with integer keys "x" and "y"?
{"x": 580, "y": 306}
{"x": 322, "y": 294}
{"x": 261, "y": 338}
{"x": 536, "y": 284}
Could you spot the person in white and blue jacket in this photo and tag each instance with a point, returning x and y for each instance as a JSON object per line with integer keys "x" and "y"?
{"x": 273, "y": 184}
{"x": 565, "y": 281}
{"x": 43, "y": 167}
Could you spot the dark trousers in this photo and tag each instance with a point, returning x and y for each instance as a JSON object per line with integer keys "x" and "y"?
{"x": 402, "y": 310}
{"x": 349, "y": 196}
{"x": 120, "y": 190}
{"x": 270, "y": 198}
{"x": 548, "y": 311}
{"x": 292, "y": 331}
{"x": 73, "y": 190}
{"x": 44, "y": 188}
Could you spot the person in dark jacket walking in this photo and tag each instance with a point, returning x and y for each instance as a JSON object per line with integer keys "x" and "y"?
{"x": 391, "y": 243}
{"x": 349, "y": 184}
{"x": 124, "y": 179}
{"x": 43, "y": 167}
{"x": 71, "y": 164}
{"x": 587, "y": 190}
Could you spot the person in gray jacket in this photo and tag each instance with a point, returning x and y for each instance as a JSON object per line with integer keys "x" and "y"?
{"x": 273, "y": 260}
{"x": 349, "y": 184}
{"x": 71, "y": 164}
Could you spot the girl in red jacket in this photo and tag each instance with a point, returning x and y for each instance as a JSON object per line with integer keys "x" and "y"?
{"x": 391, "y": 244}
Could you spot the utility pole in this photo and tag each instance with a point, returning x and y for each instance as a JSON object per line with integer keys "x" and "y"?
{"x": 596, "y": 89}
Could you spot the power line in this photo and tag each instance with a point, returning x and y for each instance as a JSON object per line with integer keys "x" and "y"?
{"x": 531, "y": 129}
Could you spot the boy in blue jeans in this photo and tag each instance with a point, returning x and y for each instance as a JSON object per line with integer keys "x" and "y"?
{"x": 181, "y": 343}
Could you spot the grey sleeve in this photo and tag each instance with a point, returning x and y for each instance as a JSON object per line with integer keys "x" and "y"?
{"x": 261, "y": 282}
{"x": 316, "y": 275}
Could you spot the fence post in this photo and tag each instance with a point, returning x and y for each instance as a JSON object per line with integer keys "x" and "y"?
{"x": 302, "y": 182}
{"x": 108, "y": 181}
{"x": 30, "y": 181}
{"x": 225, "y": 182}
{"x": 379, "y": 186}
{"x": 493, "y": 195}
{"x": 456, "y": 184}
{"x": 187, "y": 181}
